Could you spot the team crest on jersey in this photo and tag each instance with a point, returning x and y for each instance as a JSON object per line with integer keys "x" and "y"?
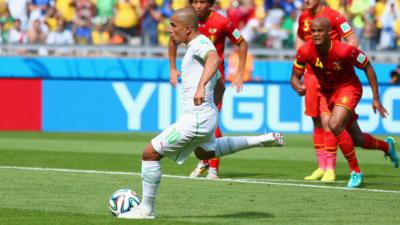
{"x": 212, "y": 30}
{"x": 236, "y": 34}
{"x": 345, "y": 27}
{"x": 337, "y": 66}
{"x": 361, "y": 58}
{"x": 344, "y": 99}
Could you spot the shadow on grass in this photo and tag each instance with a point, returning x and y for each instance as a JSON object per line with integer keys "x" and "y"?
{"x": 236, "y": 215}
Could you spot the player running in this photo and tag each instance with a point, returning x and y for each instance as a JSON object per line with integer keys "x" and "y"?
{"x": 333, "y": 63}
{"x": 340, "y": 29}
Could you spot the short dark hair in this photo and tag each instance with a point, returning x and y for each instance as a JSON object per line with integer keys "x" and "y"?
{"x": 209, "y": 1}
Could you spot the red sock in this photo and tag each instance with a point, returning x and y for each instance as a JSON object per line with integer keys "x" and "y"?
{"x": 346, "y": 145}
{"x": 319, "y": 147}
{"x": 373, "y": 143}
{"x": 214, "y": 163}
{"x": 331, "y": 148}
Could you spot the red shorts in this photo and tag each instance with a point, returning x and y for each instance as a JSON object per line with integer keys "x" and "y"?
{"x": 347, "y": 96}
{"x": 312, "y": 96}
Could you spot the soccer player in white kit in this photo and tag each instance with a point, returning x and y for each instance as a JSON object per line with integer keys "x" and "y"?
{"x": 194, "y": 130}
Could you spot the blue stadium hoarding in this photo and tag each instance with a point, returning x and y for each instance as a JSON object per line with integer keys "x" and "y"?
{"x": 88, "y": 105}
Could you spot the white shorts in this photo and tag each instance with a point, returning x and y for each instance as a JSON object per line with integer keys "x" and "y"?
{"x": 191, "y": 131}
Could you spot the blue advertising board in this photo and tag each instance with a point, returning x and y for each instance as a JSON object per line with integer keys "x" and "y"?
{"x": 152, "y": 106}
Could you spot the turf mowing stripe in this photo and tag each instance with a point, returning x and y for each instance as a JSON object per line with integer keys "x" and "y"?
{"x": 247, "y": 181}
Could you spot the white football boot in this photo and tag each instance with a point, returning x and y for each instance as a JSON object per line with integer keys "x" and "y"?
{"x": 137, "y": 213}
{"x": 273, "y": 139}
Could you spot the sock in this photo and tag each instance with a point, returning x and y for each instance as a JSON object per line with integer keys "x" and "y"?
{"x": 346, "y": 145}
{"x": 373, "y": 143}
{"x": 230, "y": 145}
{"x": 319, "y": 147}
{"x": 151, "y": 177}
{"x": 214, "y": 163}
{"x": 331, "y": 149}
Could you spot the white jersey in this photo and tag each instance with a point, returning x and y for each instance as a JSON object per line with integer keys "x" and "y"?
{"x": 192, "y": 69}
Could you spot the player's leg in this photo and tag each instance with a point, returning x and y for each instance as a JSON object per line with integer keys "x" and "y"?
{"x": 337, "y": 123}
{"x": 213, "y": 164}
{"x": 151, "y": 177}
{"x": 330, "y": 149}
{"x": 312, "y": 109}
{"x": 228, "y": 145}
{"x": 367, "y": 141}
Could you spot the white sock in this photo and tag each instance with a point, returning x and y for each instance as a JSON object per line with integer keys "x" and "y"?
{"x": 151, "y": 177}
{"x": 230, "y": 145}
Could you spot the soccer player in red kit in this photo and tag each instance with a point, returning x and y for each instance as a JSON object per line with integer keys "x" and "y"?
{"x": 332, "y": 62}
{"x": 217, "y": 28}
{"x": 340, "y": 29}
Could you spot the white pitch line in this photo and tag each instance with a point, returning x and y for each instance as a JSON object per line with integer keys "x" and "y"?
{"x": 247, "y": 181}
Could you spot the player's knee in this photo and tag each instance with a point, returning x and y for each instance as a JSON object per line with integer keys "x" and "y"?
{"x": 335, "y": 126}
{"x": 150, "y": 154}
{"x": 203, "y": 155}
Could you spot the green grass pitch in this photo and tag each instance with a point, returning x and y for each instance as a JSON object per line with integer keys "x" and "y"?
{"x": 67, "y": 178}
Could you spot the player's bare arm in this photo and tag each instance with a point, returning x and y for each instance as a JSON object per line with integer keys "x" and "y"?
{"x": 219, "y": 91}
{"x": 173, "y": 71}
{"x": 297, "y": 84}
{"x": 238, "y": 80}
{"x": 210, "y": 68}
{"x": 376, "y": 103}
{"x": 352, "y": 40}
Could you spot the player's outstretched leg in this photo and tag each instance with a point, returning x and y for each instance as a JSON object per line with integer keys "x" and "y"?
{"x": 230, "y": 145}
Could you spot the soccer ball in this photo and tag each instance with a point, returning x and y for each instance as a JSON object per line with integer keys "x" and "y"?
{"x": 122, "y": 201}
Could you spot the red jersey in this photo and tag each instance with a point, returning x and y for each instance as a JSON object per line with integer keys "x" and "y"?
{"x": 217, "y": 28}
{"x": 334, "y": 70}
{"x": 340, "y": 28}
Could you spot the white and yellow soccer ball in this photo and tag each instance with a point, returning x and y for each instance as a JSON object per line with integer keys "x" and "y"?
{"x": 123, "y": 200}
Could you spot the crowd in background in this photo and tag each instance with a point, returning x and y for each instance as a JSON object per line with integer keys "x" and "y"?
{"x": 263, "y": 23}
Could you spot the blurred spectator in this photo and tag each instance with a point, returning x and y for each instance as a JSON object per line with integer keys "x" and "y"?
{"x": 273, "y": 25}
{"x": 288, "y": 7}
{"x": 17, "y": 35}
{"x": 395, "y": 75}
{"x": 388, "y": 37}
{"x": 7, "y": 22}
{"x": 379, "y": 9}
{"x": 126, "y": 18}
{"x": 19, "y": 10}
{"x": 368, "y": 38}
{"x": 105, "y": 9}
{"x": 177, "y": 4}
{"x": 233, "y": 64}
{"x": 82, "y": 30}
{"x": 61, "y": 36}
{"x": 36, "y": 34}
{"x": 254, "y": 27}
{"x": 51, "y": 18}
{"x": 357, "y": 10}
{"x": 237, "y": 13}
{"x": 38, "y": 9}
{"x": 3, "y": 6}
{"x": 150, "y": 18}
{"x": 100, "y": 33}
{"x": 287, "y": 25}
{"x": 163, "y": 31}
{"x": 67, "y": 10}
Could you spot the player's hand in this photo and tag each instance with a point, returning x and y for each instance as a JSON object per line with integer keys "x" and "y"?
{"x": 173, "y": 77}
{"x": 301, "y": 90}
{"x": 377, "y": 106}
{"x": 237, "y": 82}
{"x": 199, "y": 96}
